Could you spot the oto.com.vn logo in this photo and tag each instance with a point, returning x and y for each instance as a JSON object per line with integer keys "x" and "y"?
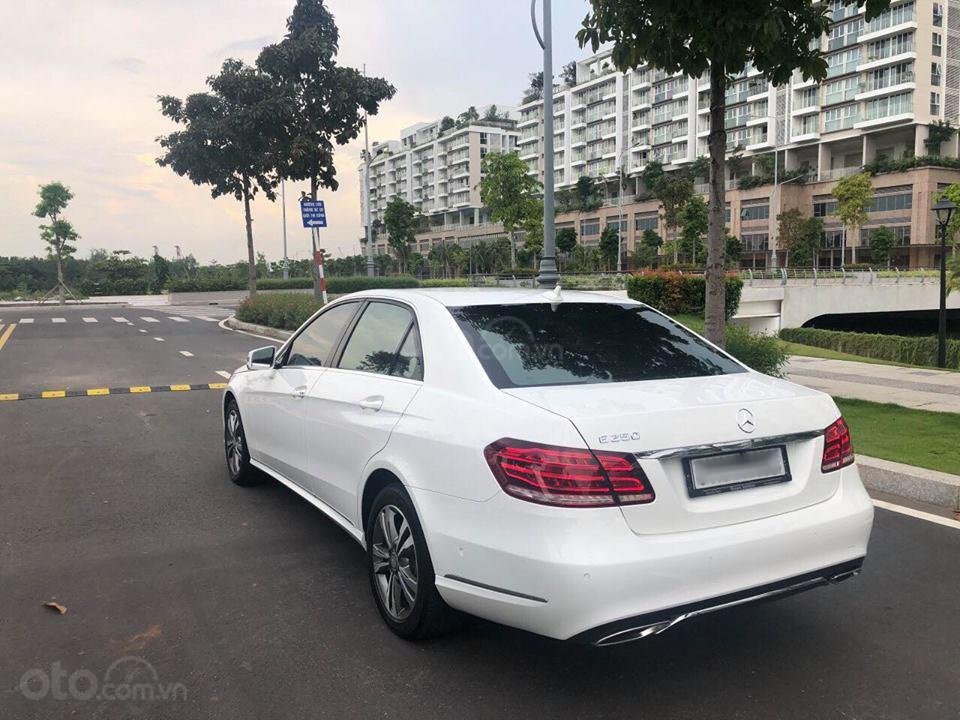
{"x": 129, "y": 679}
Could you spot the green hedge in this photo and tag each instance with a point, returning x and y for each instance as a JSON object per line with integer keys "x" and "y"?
{"x": 445, "y": 282}
{"x": 297, "y": 283}
{"x": 206, "y": 285}
{"x": 286, "y": 311}
{"x": 677, "y": 294}
{"x": 761, "y": 352}
{"x": 335, "y": 285}
{"x": 895, "y": 348}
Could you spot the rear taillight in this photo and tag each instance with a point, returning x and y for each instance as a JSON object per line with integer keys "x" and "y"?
{"x": 567, "y": 476}
{"x": 837, "y": 447}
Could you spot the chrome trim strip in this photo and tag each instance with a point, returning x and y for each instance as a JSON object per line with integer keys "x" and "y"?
{"x": 746, "y": 444}
{"x": 494, "y": 588}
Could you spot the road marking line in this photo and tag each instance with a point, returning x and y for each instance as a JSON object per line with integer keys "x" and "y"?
{"x": 223, "y": 373}
{"x": 207, "y": 318}
{"x": 186, "y": 353}
{"x": 217, "y": 386}
{"x": 159, "y": 339}
{"x": 89, "y": 319}
{"x": 26, "y": 321}
{"x": 148, "y": 319}
{"x": 9, "y": 396}
{"x": 58, "y": 320}
{"x": 6, "y": 334}
{"x": 180, "y": 388}
{"x": 120, "y": 320}
{"x": 98, "y": 391}
{"x": 920, "y": 514}
{"x": 141, "y": 330}
{"x": 175, "y": 318}
{"x": 47, "y": 394}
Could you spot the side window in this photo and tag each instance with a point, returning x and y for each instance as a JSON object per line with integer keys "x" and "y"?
{"x": 314, "y": 345}
{"x": 376, "y": 339}
{"x": 410, "y": 359}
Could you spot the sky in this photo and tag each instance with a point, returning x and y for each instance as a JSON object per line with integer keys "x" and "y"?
{"x": 78, "y": 104}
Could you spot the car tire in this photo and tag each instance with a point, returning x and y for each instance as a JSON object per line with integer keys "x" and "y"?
{"x": 396, "y": 554}
{"x": 235, "y": 448}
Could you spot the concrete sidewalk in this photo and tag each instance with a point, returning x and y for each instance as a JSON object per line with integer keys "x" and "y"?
{"x": 911, "y": 387}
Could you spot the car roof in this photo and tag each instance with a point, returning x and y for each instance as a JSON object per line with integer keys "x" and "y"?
{"x": 461, "y": 296}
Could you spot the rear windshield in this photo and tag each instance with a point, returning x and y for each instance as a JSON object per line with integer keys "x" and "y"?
{"x": 580, "y": 343}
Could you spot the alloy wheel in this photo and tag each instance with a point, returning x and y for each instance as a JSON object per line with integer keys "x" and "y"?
{"x": 394, "y": 558}
{"x": 234, "y": 442}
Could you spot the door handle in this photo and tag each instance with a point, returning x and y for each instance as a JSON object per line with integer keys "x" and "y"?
{"x": 299, "y": 393}
{"x": 374, "y": 402}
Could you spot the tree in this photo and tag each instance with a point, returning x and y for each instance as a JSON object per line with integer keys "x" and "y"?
{"x": 535, "y": 90}
{"x": 493, "y": 113}
{"x": 229, "y": 139}
{"x": 800, "y": 236}
{"x": 569, "y": 73}
{"x": 399, "y": 220}
{"x": 695, "y": 220}
{"x": 511, "y": 194}
{"x": 468, "y": 116}
{"x": 733, "y": 249}
{"x": 609, "y": 246}
{"x": 954, "y": 277}
{"x": 853, "y": 194}
{"x": 566, "y": 239}
{"x": 446, "y": 123}
{"x": 674, "y": 190}
{"x": 939, "y": 133}
{"x": 59, "y": 233}
{"x": 882, "y": 241}
{"x": 718, "y": 38}
{"x": 952, "y": 193}
{"x": 328, "y": 102}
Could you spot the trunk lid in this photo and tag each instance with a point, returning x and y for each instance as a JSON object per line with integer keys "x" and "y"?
{"x": 648, "y": 417}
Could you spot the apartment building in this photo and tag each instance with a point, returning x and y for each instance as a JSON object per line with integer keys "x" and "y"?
{"x": 439, "y": 173}
{"x": 888, "y": 80}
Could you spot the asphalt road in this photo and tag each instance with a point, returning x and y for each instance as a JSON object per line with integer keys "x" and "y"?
{"x": 206, "y": 600}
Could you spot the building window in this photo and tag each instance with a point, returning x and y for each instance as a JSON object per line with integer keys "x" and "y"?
{"x": 590, "y": 227}
{"x": 620, "y": 224}
{"x": 934, "y": 103}
{"x": 900, "y": 232}
{"x": 937, "y": 44}
{"x": 832, "y": 239}
{"x": 647, "y": 221}
{"x": 755, "y": 242}
{"x": 885, "y": 203}
{"x": 935, "y": 73}
{"x": 937, "y": 15}
{"x": 483, "y": 138}
{"x": 755, "y": 212}
{"x": 824, "y": 207}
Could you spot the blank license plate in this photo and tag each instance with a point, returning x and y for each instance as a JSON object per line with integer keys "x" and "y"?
{"x": 736, "y": 470}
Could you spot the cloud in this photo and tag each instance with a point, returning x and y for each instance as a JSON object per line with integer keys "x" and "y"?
{"x": 129, "y": 64}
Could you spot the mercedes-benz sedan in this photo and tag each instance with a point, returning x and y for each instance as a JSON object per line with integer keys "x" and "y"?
{"x": 577, "y": 465}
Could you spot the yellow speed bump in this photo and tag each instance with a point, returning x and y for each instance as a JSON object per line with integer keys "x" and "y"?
{"x": 179, "y": 388}
{"x": 141, "y": 389}
{"x": 9, "y": 396}
{"x": 98, "y": 391}
{"x": 217, "y": 386}
{"x": 48, "y": 394}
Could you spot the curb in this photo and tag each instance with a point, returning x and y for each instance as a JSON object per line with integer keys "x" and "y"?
{"x": 263, "y": 331}
{"x": 926, "y": 486}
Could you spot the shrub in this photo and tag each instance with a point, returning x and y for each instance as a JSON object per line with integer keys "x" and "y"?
{"x": 677, "y": 294}
{"x": 286, "y": 311}
{"x": 297, "y": 283}
{"x": 448, "y": 282}
{"x": 895, "y": 348}
{"x": 335, "y": 285}
{"x": 206, "y": 284}
{"x": 761, "y": 352}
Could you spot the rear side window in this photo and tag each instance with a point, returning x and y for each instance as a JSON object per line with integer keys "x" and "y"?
{"x": 314, "y": 345}
{"x": 578, "y": 343}
{"x": 380, "y": 337}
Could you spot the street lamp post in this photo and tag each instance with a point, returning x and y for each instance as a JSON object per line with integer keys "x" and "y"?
{"x": 366, "y": 190}
{"x": 548, "y": 274}
{"x": 944, "y": 211}
{"x": 283, "y": 206}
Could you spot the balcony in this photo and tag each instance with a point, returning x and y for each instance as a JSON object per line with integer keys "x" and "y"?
{"x": 890, "y": 55}
{"x": 842, "y": 123}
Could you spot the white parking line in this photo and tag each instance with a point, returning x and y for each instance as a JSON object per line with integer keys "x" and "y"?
{"x": 159, "y": 339}
{"x": 58, "y": 320}
{"x": 176, "y": 318}
{"x": 89, "y": 319}
{"x": 929, "y": 517}
{"x": 120, "y": 320}
{"x": 141, "y": 330}
{"x": 26, "y": 321}
{"x": 149, "y": 319}
{"x": 186, "y": 353}
{"x": 223, "y": 373}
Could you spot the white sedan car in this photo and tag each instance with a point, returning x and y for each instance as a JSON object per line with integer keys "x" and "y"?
{"x": 573, "y": 464}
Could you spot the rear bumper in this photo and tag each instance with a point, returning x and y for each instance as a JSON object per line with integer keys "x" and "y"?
{"x": 568, "y": 573}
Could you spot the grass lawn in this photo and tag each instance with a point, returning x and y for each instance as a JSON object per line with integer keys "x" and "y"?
{"x": 915, "y": 437}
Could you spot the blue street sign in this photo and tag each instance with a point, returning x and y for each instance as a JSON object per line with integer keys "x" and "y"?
{"x": 314, "y": 214}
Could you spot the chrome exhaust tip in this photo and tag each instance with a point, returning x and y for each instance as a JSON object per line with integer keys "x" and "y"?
{"x": 637, "y": 633}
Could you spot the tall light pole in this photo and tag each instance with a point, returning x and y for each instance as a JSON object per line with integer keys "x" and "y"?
{"x": 283, "y": 210}
{"x": 366, "y": 190}
{"x": 944, "y": 210}
{"x": 548, "y": 261}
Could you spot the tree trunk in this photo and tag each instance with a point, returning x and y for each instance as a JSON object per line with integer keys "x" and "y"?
{"x": 314, "y": 273}
{"x": 62, "y": 299}
{"x": 714, "y": 312}
{"x": 251, "y": 259}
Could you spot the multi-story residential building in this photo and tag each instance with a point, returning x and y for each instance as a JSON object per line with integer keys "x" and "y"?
{"x": 887, "y": 81}
{"x": 439, "y": 173}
